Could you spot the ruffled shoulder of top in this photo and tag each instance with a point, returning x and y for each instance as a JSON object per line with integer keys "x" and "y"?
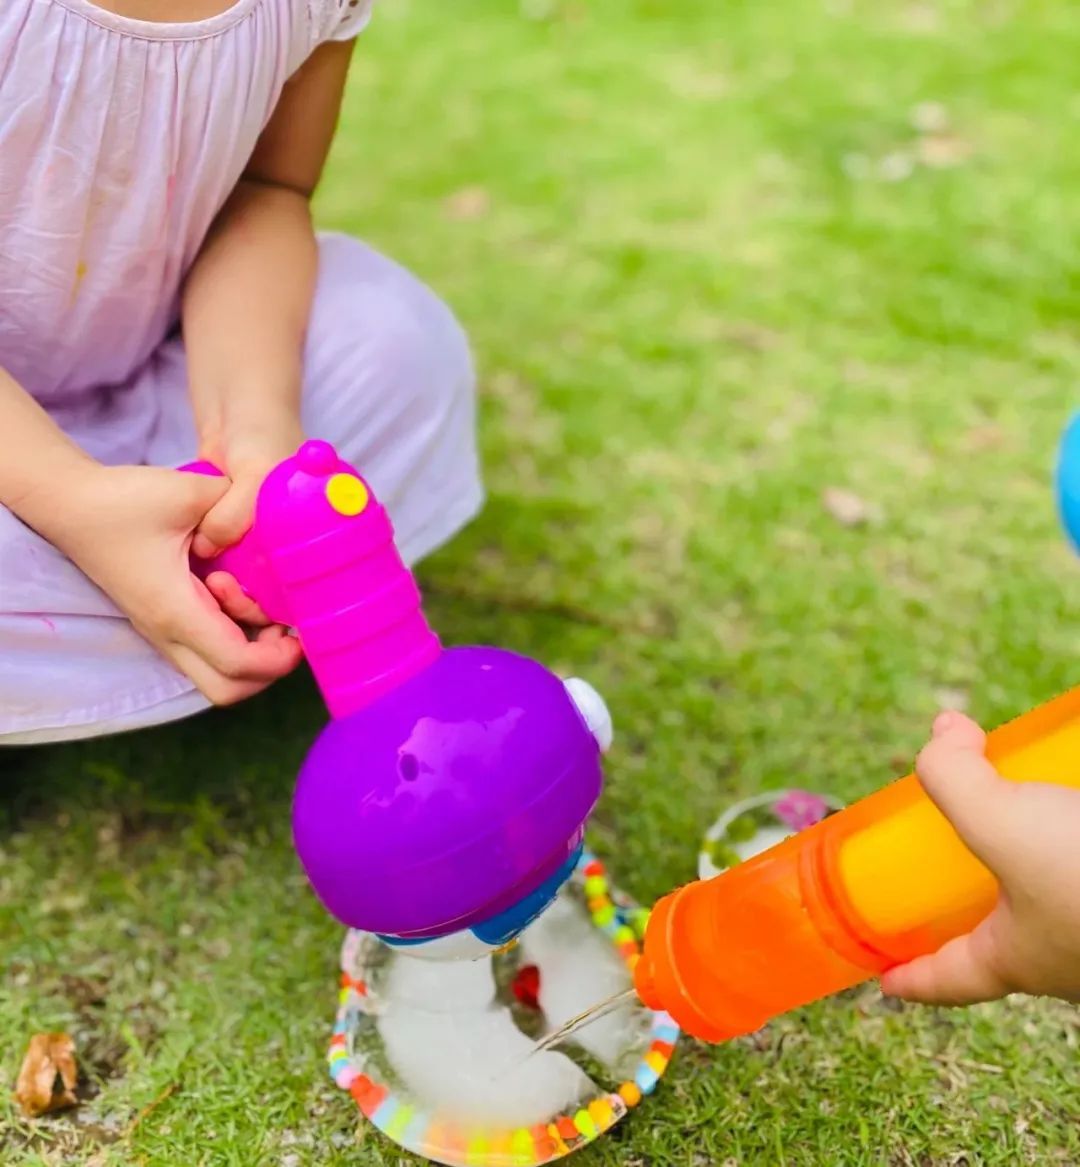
{"x": 339, "y": 20}
{"x": 313, "y": 22}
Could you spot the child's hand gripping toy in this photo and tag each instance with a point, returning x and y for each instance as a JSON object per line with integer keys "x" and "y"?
{"x": 867, "y": 889}
{"x": 446, "y": 800}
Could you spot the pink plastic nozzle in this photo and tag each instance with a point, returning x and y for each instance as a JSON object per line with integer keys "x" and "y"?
{"x": 320, "y": 557}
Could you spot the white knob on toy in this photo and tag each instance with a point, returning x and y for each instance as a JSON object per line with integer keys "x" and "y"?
{"x": 591, "y": 706}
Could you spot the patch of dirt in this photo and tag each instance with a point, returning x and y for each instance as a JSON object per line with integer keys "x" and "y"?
{"x": 100, "y": 1051}
{"x": 84, "y": 992}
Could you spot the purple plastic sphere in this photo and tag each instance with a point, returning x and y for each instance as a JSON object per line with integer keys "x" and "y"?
{"x": 448, "y": 800}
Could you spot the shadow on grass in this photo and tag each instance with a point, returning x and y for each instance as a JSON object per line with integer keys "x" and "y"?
{"x": 244, "y": 759}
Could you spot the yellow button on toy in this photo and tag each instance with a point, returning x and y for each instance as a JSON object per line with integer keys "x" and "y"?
{"x": 346, "y": 494}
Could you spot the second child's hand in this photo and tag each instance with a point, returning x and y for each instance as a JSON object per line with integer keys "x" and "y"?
{"x": 1028, "y": 834}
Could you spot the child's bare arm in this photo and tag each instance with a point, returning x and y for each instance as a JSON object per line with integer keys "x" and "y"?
{"x": 249, "y": 296}
{"x": 38, "y": 462}
{"x": 1029, "y": 836}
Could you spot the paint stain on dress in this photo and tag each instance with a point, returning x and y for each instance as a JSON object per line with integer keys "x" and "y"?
{"x": 80, "y": 275}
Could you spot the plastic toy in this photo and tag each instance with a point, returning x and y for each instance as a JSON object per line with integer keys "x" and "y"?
{"x": 870, "y": 887}
{"x": 447, "y": 797}
{"x": 441, "y": 816}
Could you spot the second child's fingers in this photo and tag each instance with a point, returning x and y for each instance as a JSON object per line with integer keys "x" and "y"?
{"x": 980, "y": 804}
{"x": 959, "y": 730}
{"x": 963, "y": 972}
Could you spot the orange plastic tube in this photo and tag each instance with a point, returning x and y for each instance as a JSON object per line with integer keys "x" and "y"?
{"x": 874, "y": 886}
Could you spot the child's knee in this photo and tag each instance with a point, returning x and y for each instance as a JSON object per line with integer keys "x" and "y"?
{"x": 383, "y": 329}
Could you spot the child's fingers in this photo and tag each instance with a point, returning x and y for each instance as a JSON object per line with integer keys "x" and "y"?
{"x": 234, "y": 602}
{"x": 278, "y": 654}
{"x": 201, "y": 493}
{"x": 228, "y": 521}
{"x": 202, "y": 547}
{"x": 960, "y": 973}
{"x": 270, "y": 655}
{"x": 980, "y": 804}
{"x": 219, "y": 657}
{"x": 216, "y": 688}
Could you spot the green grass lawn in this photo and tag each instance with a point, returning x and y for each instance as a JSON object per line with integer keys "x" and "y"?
{"x": 716, "y": 258}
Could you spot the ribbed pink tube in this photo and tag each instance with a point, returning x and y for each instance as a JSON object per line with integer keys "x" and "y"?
{"x": 320, "y": 557}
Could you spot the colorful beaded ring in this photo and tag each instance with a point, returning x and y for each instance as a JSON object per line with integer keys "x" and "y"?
{"x": 439, "y": 1137}
{"x": 755, "y": 824}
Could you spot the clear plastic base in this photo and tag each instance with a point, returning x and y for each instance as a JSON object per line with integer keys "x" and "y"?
{"x": 439, "y": 1055}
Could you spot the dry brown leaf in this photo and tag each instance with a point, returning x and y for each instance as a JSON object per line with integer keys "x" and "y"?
{"x": 847, "y": 508}
{"x": 48, "y": 1075}
{"x": 471, "y": 202}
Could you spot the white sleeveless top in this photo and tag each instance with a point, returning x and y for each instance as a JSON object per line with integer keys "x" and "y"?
{"x": 120, "y": 140}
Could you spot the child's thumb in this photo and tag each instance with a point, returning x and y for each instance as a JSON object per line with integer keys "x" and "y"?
{"x": 228, "y": 521}
{"x": 202, "y": 492}
{"x": 962, "y": 972}
{"x": 966, "y": 788}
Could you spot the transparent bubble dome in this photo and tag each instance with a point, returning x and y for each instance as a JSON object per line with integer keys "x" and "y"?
{"x": 439, "y": 1054}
